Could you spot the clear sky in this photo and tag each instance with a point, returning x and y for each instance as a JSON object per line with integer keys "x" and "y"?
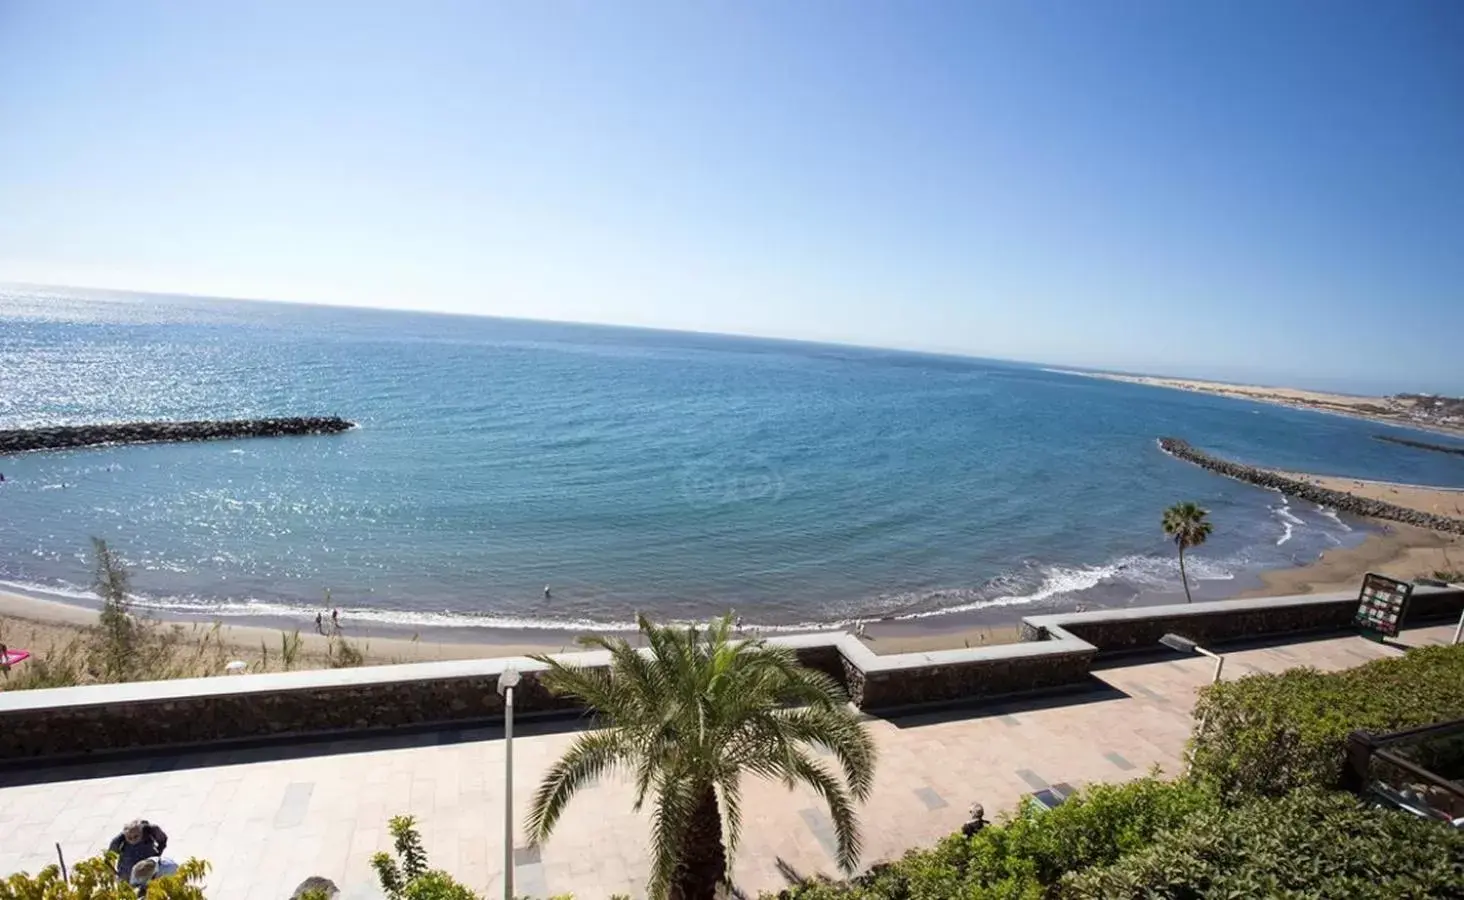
{"x": 1251, "y": 189}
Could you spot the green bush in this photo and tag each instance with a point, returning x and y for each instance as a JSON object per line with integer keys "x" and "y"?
{"x": 1024, "y": 855}
{"x": 408, "y": 877}
{"x": 1271, "y": 734}
{"x": 96, "y": 879}
{"x": 1311, "y": 844}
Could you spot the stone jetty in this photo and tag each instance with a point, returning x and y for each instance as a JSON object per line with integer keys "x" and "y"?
{"x": 62, "y": 437}
{"x": 1294, "y": 487}
{"x": 1421, "y": 445}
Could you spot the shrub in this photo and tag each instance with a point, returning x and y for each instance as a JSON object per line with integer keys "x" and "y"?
{"x": 1271, "y": 734}
{"x": 1023, "y": 856}
{"x": 408, "y": 876}
{"x": 94, "y": 879}
{"x": 1095, "y": 827}
{"x": 1311, "y": 844}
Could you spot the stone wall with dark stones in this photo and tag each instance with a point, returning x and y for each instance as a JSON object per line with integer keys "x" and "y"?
{"x": 175, "y": 720}
{"x": 47, "y": 726}
{"x": 62, "y": 437}
{"x": 1338, "y": 500}
{"x": 967, "y": 680}
{"x": 1117, "y": 636}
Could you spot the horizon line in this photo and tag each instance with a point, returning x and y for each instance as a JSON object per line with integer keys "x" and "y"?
{"x": 1057, "y": 367}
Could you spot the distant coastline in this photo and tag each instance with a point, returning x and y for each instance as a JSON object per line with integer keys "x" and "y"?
{"x": 1389, "y": 410}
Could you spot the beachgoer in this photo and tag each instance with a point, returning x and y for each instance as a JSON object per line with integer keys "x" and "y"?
{"x": 320, "y": 623}
{"x": 739, "y": 623}
{"x": 860, "y": 628}
{"x": 335, "y": 621}
{"x": 546, "y": 592}
{"x": 976, "y": 822}
{"x": 139, "y": 840}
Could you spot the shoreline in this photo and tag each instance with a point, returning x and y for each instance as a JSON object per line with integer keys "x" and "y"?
{"x": 1367, "y": 409}
{"x": 38, "y": 623}
{"x": 41, "y": 623}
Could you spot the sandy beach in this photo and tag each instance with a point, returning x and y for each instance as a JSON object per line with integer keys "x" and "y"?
{"x": 44, "y": 625}
{"x": 1392, "y": 410}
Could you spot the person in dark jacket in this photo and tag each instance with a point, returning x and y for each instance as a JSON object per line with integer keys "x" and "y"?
{"x": 139, "y": 840}
{"x": 977, "y": 821}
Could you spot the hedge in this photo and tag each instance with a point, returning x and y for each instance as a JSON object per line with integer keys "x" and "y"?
{"x": 1271, "y": 734}
{"x": 1310, "y": 844}
{"x": 1024, "y": 855}
{"x": 1153, "y": 840}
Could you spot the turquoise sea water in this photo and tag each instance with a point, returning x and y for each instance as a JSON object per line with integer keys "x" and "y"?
{"x": 673, "y": 474}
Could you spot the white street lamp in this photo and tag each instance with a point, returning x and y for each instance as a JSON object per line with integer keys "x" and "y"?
{"x": 508, "y": 679}
{"x": 1185, "y": 645}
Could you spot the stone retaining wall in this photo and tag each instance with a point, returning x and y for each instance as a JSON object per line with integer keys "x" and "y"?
{"x": 1339, "y": 500}
{"x": 46, "y": 726}
{"x": 66, "y": 436}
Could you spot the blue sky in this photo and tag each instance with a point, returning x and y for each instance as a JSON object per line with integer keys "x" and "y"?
{"x": 1249, "y": 189}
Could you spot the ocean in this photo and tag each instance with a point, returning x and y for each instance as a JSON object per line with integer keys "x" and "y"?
{"x": 676, "y": 475}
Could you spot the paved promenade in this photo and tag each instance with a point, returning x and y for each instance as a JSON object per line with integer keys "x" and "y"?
{"x": 267, "y": 819}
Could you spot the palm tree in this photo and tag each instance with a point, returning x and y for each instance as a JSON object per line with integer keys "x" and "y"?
{"x": 1185, "y": 522}
{"x": 686, "y": 719}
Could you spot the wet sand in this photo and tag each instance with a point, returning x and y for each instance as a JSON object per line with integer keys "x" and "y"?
{"x": 1406, "y": 552}
{"x": 44, "y": 625}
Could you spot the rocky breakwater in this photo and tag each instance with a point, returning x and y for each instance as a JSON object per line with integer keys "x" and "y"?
{"x": 1338, "y": 500}
{"x": 1421, "y": 445}
{"x": 67, "y": 436}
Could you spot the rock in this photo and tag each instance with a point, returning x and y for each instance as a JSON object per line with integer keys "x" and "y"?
{"x": 1338, "y": 500}
{"x": 61, "y": 437}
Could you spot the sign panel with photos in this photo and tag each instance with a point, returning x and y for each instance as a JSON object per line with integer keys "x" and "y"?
{"x": 1381, "y": 603}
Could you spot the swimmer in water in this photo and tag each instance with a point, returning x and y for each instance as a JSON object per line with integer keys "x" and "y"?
{"x": 546, "y": 592}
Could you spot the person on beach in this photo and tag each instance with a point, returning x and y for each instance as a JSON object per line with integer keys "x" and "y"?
{"x": 320, "y": 623}
{"x": 335, "y": 621}
{"x": 546, "y": 592}
{"x": 141, "y": 840}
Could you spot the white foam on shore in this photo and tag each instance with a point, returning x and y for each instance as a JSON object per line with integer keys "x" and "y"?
{"x": 1285, "y": 535}
{"x": 1055, "y": 582}
{"x": 1331, "y": 513}
{"x": 1287, "y": 516}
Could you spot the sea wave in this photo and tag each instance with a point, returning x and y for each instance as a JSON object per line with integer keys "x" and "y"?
{"x": 1331, "y": 513}
{"x": 1034, "y": 586}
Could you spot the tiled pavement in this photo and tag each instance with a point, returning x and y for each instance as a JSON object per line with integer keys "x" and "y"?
{"x": 267, "y": 819}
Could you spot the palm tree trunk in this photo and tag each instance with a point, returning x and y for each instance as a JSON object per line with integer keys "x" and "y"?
{"x": 1184, "y": 578}
{"x": 704, "y": 864}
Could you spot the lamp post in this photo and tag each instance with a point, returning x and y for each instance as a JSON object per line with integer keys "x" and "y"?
{"x": 1185, "y": 645}
{"x": 507, "y": 680}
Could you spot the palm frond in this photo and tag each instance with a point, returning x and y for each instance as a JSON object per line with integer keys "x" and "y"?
{"x": 844, "y": 736}
{"x": 590, "y": 756}
{"x": 841, "y": 808}
{"x": 729, "y": 788}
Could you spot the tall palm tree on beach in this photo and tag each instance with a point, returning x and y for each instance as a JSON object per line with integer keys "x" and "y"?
{"x": 1186, "y": 524}
{"x": 686, "y": 719}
